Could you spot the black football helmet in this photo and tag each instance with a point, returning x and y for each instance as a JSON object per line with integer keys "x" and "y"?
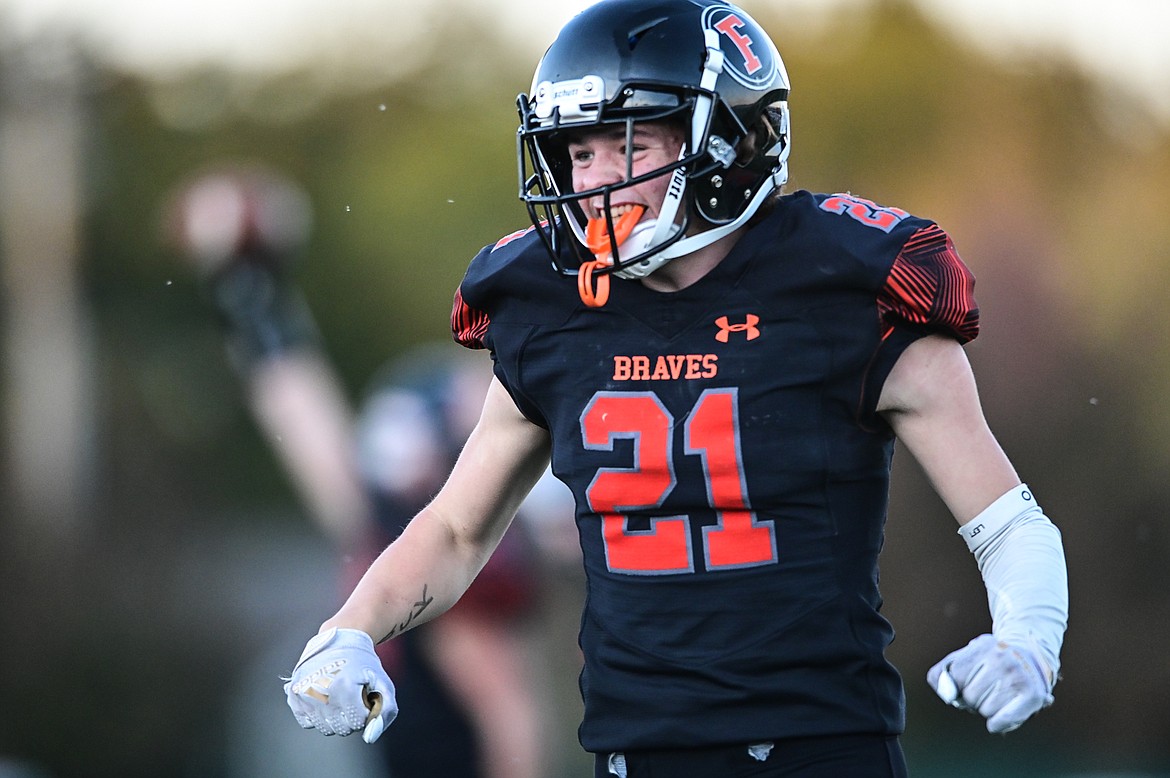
{"x": 703, "y": 64}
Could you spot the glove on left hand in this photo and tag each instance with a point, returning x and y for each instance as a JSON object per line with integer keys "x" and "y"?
{"x": 1005, "y": 684}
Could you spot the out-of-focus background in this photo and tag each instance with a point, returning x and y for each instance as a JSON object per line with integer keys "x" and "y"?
{"x": 157, "y": 570}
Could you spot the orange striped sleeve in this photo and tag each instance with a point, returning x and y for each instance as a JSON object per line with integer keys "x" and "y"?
{"x": 468, "y": 325}
{"x": 930, "y": 286}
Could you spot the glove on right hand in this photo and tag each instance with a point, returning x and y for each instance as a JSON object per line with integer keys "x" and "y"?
{"x": 339, "y": 686}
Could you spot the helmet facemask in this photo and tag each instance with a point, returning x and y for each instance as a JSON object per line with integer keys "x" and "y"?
{"x": 547, "y": 186}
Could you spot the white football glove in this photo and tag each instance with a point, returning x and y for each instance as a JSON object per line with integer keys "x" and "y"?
{"x": 339, "y": 687}
{"x": 1003, "y": 683}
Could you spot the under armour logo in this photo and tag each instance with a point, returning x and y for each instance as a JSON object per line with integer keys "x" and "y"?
{"x": 748, "y": 327}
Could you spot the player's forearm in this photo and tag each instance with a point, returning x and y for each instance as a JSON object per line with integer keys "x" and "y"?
{"x": 416, "y": 578}
{"x": 425, "y": 571}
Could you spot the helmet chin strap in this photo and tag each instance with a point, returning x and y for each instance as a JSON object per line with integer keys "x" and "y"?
{"x": 636, "y": 242}
{"x": 707, "y": 237}
{"x": 703, "y": 239}
{"x": 654, "y": 232}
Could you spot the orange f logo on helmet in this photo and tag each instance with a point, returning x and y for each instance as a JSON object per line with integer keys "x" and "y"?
{"x": 729, "y": 25}
{"x": 748, "y": 327}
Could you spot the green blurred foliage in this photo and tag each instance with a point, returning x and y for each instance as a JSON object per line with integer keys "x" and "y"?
{"x": 1053, "y": 186}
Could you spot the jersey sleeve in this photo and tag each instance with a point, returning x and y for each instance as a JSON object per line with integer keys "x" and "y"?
{"x": 488, "y": 313}
{"x": 470, "y": 317}
{"x": 929, "y": 290}
{"x": 468, "y": 325}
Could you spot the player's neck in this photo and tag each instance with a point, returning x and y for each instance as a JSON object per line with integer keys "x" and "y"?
{"x": 678, "y": 274}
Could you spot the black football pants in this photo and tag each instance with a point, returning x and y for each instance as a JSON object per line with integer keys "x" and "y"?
{"x": 856, "y": 756}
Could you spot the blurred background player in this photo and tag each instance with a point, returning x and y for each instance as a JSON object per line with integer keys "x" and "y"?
{"x": 468, "y": 679}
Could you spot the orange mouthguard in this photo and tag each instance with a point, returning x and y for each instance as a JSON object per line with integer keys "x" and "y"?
{"x": 586, "y": 281}
{"x": 597, "y": 234}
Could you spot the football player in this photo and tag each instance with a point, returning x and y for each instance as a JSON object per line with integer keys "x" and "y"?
{"x": 718, "y": 371}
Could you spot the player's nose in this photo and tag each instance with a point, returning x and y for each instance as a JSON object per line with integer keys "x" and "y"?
{"x": 604, "y": 170}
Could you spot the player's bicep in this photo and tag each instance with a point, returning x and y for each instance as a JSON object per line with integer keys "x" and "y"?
{"x": 931, "y": 402}
{"x": 501, "y": 461}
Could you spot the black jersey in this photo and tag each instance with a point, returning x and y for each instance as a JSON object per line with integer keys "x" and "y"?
{"x": 730, "y": 472}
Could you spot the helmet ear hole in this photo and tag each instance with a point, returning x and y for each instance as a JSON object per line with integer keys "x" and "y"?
{"x": 775, "y": 116}
{"x": 764, "y": 136}
{"x": 756, "y": 139}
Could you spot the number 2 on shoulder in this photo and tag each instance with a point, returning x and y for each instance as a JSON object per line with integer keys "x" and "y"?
{"x": 711, "y": 432}
{"x": 865, "y": 211}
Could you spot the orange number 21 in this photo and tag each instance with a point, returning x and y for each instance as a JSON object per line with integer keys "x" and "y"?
{"x": 711, "y": 432}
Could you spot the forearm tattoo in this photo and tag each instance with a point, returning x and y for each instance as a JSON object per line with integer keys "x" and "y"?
{"x": 416, "y": 611}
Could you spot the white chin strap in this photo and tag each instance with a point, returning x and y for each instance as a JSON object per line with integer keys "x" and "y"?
{"x": 653, "y": 232}
{"x": 646, "y": 266}
{"x": 641, "y": 238}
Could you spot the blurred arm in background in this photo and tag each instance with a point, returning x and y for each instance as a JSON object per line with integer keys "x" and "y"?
{"x": 463, "y": 681}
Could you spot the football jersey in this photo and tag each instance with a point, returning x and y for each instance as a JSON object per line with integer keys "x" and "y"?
{"x": 729, "y": 469}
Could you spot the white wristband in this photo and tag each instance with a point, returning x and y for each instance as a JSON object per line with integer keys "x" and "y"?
{"x": 1012, "y": 505}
